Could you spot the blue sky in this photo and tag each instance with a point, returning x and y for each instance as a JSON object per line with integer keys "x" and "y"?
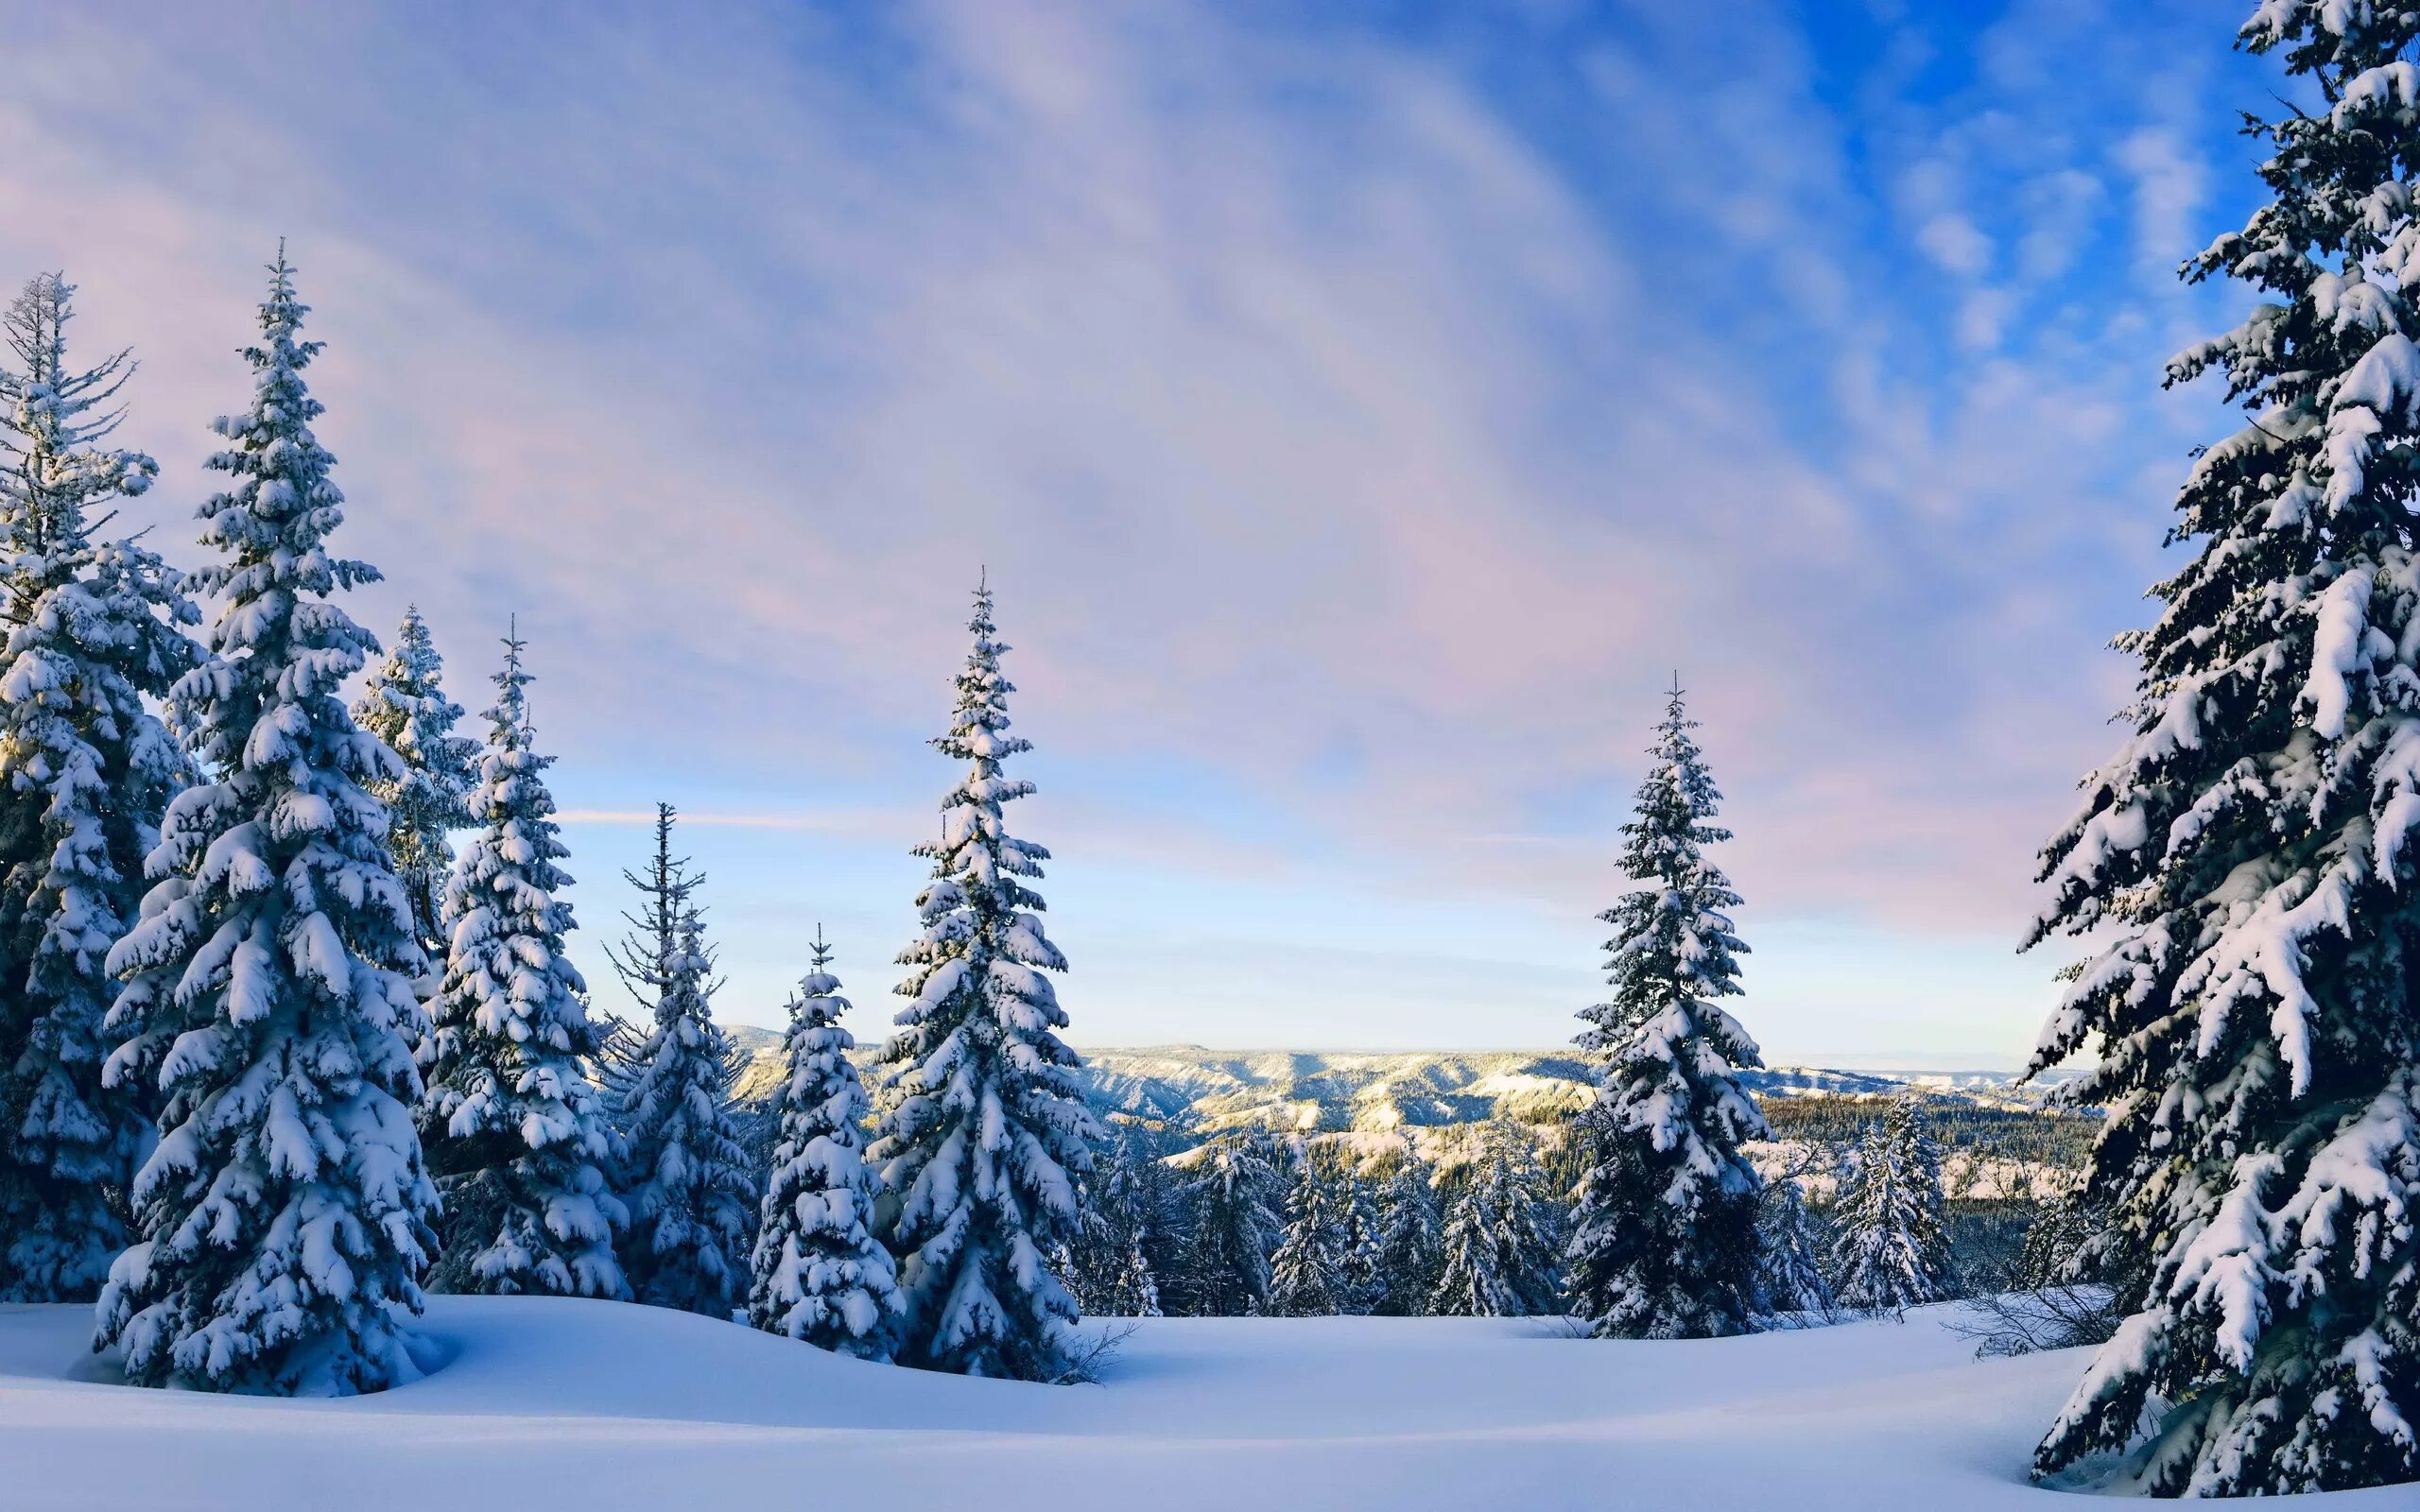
{"x": 1361, "y": 410}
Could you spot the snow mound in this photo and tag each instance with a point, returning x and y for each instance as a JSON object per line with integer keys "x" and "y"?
{"x": 556, "y": 1403}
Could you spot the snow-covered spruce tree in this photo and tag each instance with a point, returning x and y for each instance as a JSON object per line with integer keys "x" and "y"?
{"x": 820, "y": 1273}
{"x": 1164, "y": 1236}
{"x": 2246, "y": 853}
{"x": 1889, "y": 1248}
{"x": 1662, "y": 1244}
{"x": 1360, "y": 1284}
{"x": 985, "y": 1139}
{"x": 283, "y": 1220}
{"x": 1789, "y": 1274}
{"x": 1112, "y": 1274}
{"x": 515, "y": 1134}
{"x": 692, "y": 1195}
{"x": 1410, "y": 1240}
{"x": 1497, "y": 1255}
{"x": 1226, "y": 1268}
{"x": 85, "y": 771}
{"x": 1306, "y": 1276}
{"x": 405, "y": 706}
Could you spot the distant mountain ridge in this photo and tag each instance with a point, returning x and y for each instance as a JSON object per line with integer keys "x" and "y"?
{"x": 1307, "y": 1092}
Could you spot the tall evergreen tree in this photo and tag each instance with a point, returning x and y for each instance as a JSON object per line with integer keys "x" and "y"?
{"x": 986, "y": 1137}
{"x": 1225, "y": 1272}
{"x": 1497, "y": 1256}
{"x": 1663, "y": 1244}
{"x": 282, "y": 1221}
{"x": 692, "y": 1195}
{"x": 405, "y": 706}
{"x": 1410, "y": 1240}
{"x": 2245, "y": 855}
{"x": 1360, "y": 1284}
{"x": 1306, "y": 1276}
{"x": 1789, "y": 1274}
{"x": 514, "y": 1131}
{"x": 820, "y": 1273}
{"x": 1889, "y": 1248}
{"x": 1112, "y": 1273}
{"x": 85, "y": 771}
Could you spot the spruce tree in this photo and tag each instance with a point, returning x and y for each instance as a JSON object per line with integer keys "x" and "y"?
{"x": 692, "y": 1197}
{"x": 1889, "y": 1251}
{"x": 1789, "y": 1274}
{"x": 1233, "y": 1229}
{"x": 1360, "y": 1286}
{"x": 985, "y": 1140}
{"x": 820, "y": 1273}
{"x": 515, "y": 1133}
{"x": 1306, "y": 1276}
{"x": 1663, "y": 1244}
{"x": 1112, "y": 1273}
{"x": 85, "y": 771}
{"x": 405, "y": 706}
{"x": 1497, "y": 1255}
{"x": 283, "y": 1220}
{"x": 2244, "y": 860}
{"x": 1410, "y": 1240}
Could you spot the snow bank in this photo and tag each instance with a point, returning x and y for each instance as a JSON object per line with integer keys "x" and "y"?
{"x": 550, "y": 1403}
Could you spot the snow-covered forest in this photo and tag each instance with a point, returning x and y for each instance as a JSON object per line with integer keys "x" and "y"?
{"x": 305, "y": 1096}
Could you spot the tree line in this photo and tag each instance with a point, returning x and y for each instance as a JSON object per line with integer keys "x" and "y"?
{"x": 1253, "y": 1223}
{"x": 278, "y": 1058}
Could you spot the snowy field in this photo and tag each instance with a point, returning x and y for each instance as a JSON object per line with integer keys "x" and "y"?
{"x": 596, "y": 1406}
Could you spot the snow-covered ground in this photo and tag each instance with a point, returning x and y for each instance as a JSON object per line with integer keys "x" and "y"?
{"x": 594, "y": 1406}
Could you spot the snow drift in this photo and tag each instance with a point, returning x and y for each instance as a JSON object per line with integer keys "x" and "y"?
{"x": 555, "y": 1403}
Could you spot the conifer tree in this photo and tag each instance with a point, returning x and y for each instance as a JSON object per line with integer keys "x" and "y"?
{"x": 1498, "y": 1248}
{"x": 1663, "y": 1244}
{"x": 692, "y": 1197}
{"x": 1789, "y": 1274}
{"x": 85, "y": 771}
{"x": 2244, "y": 859}
{"x": 1306, "y": 1276}
{"x": 1410, "y": 1240}
{"x": 1360, "y": 1286}
{"x": 985, "y": 1140}
{"x": 405, "y": 706}
{"x": 1233, "y": 1227}
{"x": 1112, "y": 1273}
{"x": 1889, "y": 1250}
{"x": 820, "y": 1273}
{"x": 515, "y": 1134}
{"x": 283, "y": 1220}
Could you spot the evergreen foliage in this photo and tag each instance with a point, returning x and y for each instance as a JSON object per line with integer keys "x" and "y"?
{"x": 1790, "y": 1270}
{"x": 691, "y": 1193}
{"x": 1889, "y": 1248}
{"x": 985, "y": 1139}
{"x": 2245, "y": 854}
{"x": 1360, "y": 1284}
{"x": 1226, "y": 1271}
{"x": 1499, "y": 1243}
{"x": 85, "y": 771}
{"x": 515, "y": 1134}
{"x": 1410, "y": 1241}
{"x": 1112, "y": 1273}
{"x": 1662, "y": 1244}
{"x": 282, "y": 1218}
{"x": 405, "y": 706}
{"x": 820, "y": 1273}
{"x": 1306, "y": 1275}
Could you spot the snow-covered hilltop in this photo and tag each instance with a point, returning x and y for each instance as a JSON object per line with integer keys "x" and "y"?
{"x": 1390, "y": 1091}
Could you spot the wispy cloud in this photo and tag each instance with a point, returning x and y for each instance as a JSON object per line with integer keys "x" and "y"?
{"x": 1360, "y": 424}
